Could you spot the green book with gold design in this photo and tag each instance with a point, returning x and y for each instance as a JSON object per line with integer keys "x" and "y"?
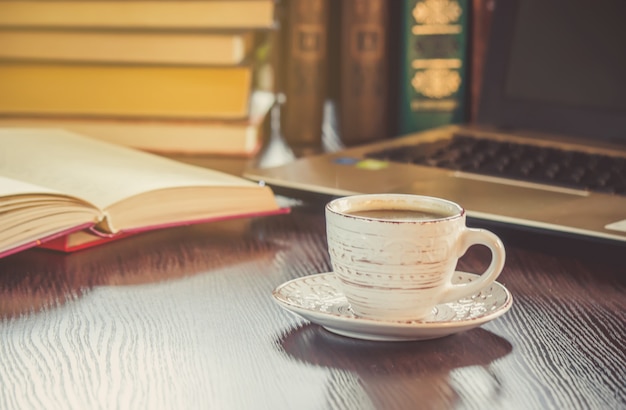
{"x": 433, "y": 70}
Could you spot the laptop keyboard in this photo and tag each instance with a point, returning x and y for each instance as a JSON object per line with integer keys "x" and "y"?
{"x": 526, "y": 162}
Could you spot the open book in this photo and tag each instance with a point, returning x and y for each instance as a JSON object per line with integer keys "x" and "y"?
{"x": 54, "y": 183}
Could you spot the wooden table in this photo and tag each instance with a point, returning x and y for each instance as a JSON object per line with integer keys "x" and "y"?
{"x": 184, "y": 319}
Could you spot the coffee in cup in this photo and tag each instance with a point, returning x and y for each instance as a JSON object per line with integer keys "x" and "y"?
{"x": 395, "y": 254}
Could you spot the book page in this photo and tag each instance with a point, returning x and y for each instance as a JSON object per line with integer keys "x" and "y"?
{"x": 11, "y": 187}
{"x": 98, "y": 172}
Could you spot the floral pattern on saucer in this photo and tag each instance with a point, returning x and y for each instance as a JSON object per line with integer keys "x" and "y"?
{"x": 318, "y": 299}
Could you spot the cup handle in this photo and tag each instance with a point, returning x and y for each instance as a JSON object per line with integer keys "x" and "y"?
{"x": 471, "y": 237}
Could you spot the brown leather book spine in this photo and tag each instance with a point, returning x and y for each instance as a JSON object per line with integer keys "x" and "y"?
{"x": 306, "y": 74}
{"x": 364, "y": 69}
{"x": 482, "y": 12}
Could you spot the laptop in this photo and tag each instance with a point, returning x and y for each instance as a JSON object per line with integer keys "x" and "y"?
{"x": 548, "y": 151}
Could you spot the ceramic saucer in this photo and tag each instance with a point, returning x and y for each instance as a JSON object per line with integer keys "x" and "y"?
{"x": 318, "y": 299}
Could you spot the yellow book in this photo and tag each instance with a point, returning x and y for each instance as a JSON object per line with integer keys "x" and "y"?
{"x": 238, "y": 137}
{"x": 126, "y": 46}
{"x": 125, "y": 90}
{"x": 55, "y": 182}
{"x": 198, "y": 14}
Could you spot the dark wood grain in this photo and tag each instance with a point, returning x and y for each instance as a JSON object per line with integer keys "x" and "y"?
{"x": 184, "y": 319}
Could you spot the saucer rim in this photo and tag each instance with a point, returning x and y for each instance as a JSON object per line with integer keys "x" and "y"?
{"x": 387, "y": 324}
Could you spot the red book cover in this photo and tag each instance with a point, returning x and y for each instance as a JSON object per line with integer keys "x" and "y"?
{"x": 87, "y": 237}
{"x": 49, "y": 238}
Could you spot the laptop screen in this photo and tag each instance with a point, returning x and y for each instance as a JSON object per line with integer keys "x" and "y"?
{"x": 558, "y": 66}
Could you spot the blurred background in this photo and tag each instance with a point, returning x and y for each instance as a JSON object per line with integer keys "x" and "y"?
{"x": 197, "y": 78}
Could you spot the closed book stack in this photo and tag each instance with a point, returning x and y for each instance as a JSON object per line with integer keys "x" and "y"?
{"x": 165, "y": 76}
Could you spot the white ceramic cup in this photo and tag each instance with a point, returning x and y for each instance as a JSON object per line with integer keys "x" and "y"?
{"x": 395, "y": 254}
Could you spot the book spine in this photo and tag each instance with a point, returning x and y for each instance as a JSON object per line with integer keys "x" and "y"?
{"x": 364, "y": 85}
{"x": 433, "y": 65}
{"x": 305, "y": 74}
{"x": 120, "y": 90}
{"x": 482, "y": 12}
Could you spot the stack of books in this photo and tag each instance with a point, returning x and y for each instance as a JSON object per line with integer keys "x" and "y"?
{"x": 172, "y": 76}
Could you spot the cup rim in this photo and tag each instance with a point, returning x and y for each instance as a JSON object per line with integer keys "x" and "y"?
{"x": 332, "y": 206}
